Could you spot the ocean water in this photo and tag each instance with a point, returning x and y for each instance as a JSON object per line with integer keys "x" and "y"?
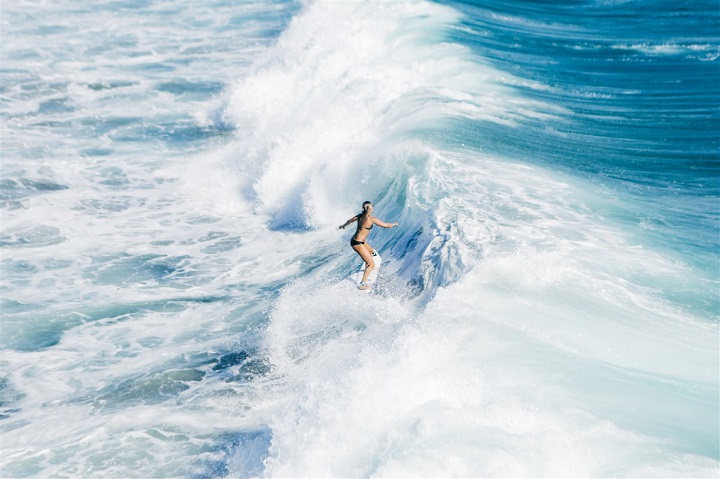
{"x": 174, "y": 287}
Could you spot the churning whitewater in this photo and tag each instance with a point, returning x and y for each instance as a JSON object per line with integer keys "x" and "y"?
{"x": 177, "y": 300}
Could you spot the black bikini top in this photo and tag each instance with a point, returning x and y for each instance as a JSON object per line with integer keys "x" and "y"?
{"x": 360, "y": 215}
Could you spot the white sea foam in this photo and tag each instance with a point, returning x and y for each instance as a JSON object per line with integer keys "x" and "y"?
{"x": 537, "y": 348}
{"x": 320, "y": 113}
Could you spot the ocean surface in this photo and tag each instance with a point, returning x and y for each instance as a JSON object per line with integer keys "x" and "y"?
{"x": 175, "y": 290}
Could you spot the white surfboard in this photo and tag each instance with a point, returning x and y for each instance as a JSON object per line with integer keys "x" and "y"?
{"x": 373, "y": 274}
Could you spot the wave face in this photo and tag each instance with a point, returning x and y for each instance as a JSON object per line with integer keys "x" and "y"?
{"x": 175, "y": 292}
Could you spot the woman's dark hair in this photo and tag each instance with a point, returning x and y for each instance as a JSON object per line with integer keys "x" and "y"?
{"x": 365, "y": 212}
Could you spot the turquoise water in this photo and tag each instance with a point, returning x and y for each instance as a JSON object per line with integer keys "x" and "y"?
{"x": 175, "y": 292}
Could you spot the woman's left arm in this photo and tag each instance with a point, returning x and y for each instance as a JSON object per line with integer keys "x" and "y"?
{"x": 351, "y": 220}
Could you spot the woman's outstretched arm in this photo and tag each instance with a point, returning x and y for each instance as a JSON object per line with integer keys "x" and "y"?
{"x": 380, "y": 222}
{"x": 351, "y": 220}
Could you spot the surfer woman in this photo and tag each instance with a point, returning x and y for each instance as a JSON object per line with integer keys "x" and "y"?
{"x": 365, "y": 222}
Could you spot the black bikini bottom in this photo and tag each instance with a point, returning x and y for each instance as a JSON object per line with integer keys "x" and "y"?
{"x": 355, "y": 243}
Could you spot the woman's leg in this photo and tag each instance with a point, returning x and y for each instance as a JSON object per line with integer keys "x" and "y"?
{"x": 371, "y": 265}
{"x": 366, "y": 254}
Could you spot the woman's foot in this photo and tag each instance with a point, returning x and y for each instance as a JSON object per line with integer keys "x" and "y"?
{"x": 365, "y": 285}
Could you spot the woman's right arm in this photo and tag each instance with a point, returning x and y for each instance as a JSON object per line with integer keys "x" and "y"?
{"x": 382, "y": 223}
{"x": 351, "y": 220}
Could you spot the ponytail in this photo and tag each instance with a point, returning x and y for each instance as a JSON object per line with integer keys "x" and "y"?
{"x": 365, "y": 212}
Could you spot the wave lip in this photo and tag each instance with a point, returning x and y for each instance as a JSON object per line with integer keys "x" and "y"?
{"x": 319, "y": 118}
